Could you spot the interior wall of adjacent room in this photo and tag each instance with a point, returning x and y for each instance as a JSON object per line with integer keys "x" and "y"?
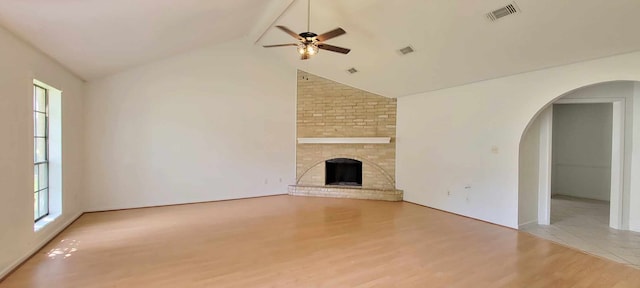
{"x": 619, "y": 90}
{"x": 582, "y": 150}
{"x": 212, "y": 124}
{"x": 458, "y": 147}
{"x": 21, "y": 63}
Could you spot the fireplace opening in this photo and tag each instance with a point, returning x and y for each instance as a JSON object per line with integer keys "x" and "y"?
{"x": 344, "y": 172}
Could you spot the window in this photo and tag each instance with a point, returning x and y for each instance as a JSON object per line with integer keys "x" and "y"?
{"x": 47, "y": 154}
{"x": 40, "y": 152}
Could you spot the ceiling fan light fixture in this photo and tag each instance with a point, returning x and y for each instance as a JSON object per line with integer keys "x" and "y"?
{"x": 310, "y": 43}
{"x": 308, "y": 49}
{"x": 312, "y": 49}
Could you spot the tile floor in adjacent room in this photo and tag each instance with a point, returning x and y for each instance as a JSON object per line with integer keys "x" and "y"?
{"x": 584, "y": 225}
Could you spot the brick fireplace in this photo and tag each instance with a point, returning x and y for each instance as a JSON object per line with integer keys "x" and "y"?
{"x": 341, "y": 127}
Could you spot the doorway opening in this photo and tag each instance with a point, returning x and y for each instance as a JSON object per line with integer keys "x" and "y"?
{"x": 543, "y": 175}
{"x": 574, "y": 171}
{"x": 581, "y": 163}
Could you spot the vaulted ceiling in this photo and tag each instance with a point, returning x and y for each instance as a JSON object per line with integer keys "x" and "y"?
{"x": 95, "y": 38}
{"x": 455, "y": 42}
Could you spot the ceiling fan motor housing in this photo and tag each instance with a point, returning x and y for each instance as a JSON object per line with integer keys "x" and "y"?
{"x": 308, "y": 36}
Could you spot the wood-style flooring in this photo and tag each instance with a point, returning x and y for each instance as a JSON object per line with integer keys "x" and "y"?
{"x": 286, "y": 241}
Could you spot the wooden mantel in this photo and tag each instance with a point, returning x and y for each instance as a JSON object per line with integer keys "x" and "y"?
{"x": 347, "y": 140}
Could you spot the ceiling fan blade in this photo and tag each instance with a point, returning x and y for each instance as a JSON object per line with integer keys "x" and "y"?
{"x": 288, "y": 31}
{"x": 334, "y": 48}
{"x": 331, "y": 34}
{"x": 279, "y": 45}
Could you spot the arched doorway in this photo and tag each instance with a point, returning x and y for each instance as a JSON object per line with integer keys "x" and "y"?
{"x": 580, "y": 222}
{"x": 536, "y": 160}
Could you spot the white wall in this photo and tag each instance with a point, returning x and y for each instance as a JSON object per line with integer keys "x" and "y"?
{"x": 469, "y": 136}
{"x": 19, "y": 65}
{"x": 582, "y": 150}
{"x": 634, "y": 198}
{"x": 528, "y": 175}
{"x": 215, "y": 123}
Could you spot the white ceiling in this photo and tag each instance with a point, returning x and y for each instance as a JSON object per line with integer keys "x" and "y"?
{"x": 94, "y": 38}
{"x": 454, "y": 41}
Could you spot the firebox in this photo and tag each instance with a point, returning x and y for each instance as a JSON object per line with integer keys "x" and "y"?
{"x": 343, "y": 171}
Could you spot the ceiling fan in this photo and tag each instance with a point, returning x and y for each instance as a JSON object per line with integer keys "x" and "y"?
{"x": 309, "y": 42}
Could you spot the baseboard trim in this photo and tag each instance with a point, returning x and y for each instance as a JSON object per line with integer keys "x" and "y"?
{"x": 522, "y": 225}
{"x": 16, "y": 264}
{"x": 179, "y": 204}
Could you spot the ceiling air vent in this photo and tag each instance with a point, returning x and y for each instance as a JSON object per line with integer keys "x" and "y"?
{"x": 352, "y": 70}
{"x": 503, "y": 12}
{"x": 406, "y": 50}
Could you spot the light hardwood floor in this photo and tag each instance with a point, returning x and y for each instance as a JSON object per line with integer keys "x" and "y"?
{"x": 286, "y": 241}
